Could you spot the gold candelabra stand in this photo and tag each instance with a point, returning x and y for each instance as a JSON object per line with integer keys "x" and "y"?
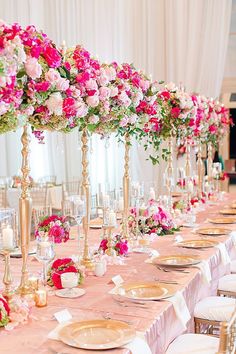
{"x": 200, "y": 168}
{"x": 209, "y": 162}
{"x": 25, "y": 212}
{"x": 170, "y": 171}
{"x": 126, "y": 188}
{"x": 86, "y": 260}
{"x": 188, "y": 173}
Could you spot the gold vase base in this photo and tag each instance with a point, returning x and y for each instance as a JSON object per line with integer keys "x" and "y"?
{"x": 88, "y": 263}
{"x": 24, "y": 290}
{"x": 110, "y": 252}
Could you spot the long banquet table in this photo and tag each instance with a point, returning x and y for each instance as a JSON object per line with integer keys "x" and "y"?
{"x": 158, "y": 322}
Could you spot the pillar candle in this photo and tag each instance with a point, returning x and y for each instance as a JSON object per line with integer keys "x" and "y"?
{"x": 40, "y": 298}
{"x": 112, "y": 218}
{"x": 7, "y": 238}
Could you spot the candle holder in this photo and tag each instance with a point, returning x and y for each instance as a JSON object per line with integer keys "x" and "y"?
{"x": 110, "y": 250}
{"x": 86, "y": 260}
{"x": 169, "y": 173}
{"x": 209, "y": 163}
{"x": 40, "y": 298}
{"x": 7, "y": 278}
{"x": 126, "y": 189}
{"x": 25, "y": 213}
{"x": 188, "y": 173}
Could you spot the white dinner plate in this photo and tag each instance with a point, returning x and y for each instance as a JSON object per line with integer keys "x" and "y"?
{"x": 70, "y": 293}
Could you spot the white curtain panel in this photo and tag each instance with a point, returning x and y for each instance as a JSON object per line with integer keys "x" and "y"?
{"x": 184, "y": 41}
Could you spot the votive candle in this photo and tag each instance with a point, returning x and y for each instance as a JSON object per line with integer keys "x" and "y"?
{"x": 41, "y": 298}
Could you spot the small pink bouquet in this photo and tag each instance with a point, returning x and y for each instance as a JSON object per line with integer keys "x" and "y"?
{"x": 14, "y": 314}
{"x": 4, "y": 312}
{"x": 60, "y": 266}
{"x": 120, "y": 245}
{"x": 54, "y": 226}
{"x": 151, "y": 220}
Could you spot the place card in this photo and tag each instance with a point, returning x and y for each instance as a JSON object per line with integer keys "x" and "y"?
{"x": 117, "y": 280}
{"x": 63, "y": 316}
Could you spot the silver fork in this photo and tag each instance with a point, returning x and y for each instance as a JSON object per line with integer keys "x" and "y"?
{"x": 126, "y": 303}
{"x": 173, "y": 270}
{"x": 107, "y": 316}
{"x": 166, "y": 281}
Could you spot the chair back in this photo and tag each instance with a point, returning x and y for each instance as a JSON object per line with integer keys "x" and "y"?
{"x": 40, "y": 212}
{"x": 94, "y": 206}
{"x": 48, "y": 180}
{"x": 228, "y": 336}
{"x": 70, "y": 188}
{"x": 39, "y": 196}
{"x": 3, "y": 197}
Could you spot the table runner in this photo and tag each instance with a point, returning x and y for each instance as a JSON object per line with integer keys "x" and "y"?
{"x": 158, "y": 321}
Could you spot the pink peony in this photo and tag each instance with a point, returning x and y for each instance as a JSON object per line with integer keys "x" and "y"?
{"x": 52, "y": 76}
{"x": 58, "y": 233}
{"x": 91, "y": 84}
{"x": 62, "y": 84}
{"x": 114, "y": 91}
{"x": 33, "y": 68}
{"x": 69, "y": 107}
{"x": 94, "y": 119}
{"x": 122, "y": 247}
{"x": 81, "y": 109}
{"x": 103, "y": 244}
{"x": 104, "y": 93}
{"x": 212, "y": 129}
{"x": 42, "y": 86}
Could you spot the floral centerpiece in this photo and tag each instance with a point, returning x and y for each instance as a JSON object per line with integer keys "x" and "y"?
{"x": 4, "y": 312}
{"x": 12, "y": 61}
{"x": 119, "y": 244}
{"x": 60, "y": 266}
{"x": 152, "y": 219}
{"x": 55, "y": 227}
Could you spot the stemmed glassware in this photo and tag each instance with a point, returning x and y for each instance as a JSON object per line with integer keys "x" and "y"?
{"x": 77, "y": 210}
{"x": 45, "y": 253}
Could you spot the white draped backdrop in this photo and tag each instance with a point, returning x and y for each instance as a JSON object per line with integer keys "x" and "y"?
{"x": 184, "y": 41}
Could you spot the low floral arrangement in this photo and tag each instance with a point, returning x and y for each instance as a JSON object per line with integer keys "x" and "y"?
{"x": 4, "y": 312}
{"x": 60, "y": 266}
{"x": 119, "y": 244}
{"x": 221, "y": 177}
{"x": 54, "y": 226}
{"x": 151, "y": 220}
{"x": 179, "y": 205}
{"x": 14, "y": 314}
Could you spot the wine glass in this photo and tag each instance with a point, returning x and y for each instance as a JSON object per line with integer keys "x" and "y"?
{"x": 69, "y": 282}
{"x": 77, "y": 210}
{"x": 45, "y": 253}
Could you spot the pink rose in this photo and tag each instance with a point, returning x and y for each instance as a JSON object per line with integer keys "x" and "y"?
{"x": 110, "y": 72}
{"x": 81, "y": 108}
{"x": 3, "y": 107}
{"x": 3, "y": 81}
{"x": 125, "y": 100}
{"x": 62, "y": 84}
{"x": 69, "y": 107}
{"x": 33, "y": 68}
{"x": 103, "y": 244}
{"x": 92, "y": 101}
{"x": 42, "y": 86}
{"x": 103, "y": 79}
{"x": 144, "y": 84}
{"x": 133, "y": 118}
{"x": 104, "y": 93}
{"x": 91, "y": 85}
{"x": 212, "y": 129}
{"x": 175, "y": 112}
{"x": 52, "y": 76}
{"x": 124, "y": 121}
{"x": 52, "y": 56}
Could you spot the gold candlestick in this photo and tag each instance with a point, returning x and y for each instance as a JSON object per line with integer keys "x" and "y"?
{"x": 7, "y": 279}
{"x": 200, "y": 168}
{"x": 25, "y": 212}
{"x": 126, "y": 188}
{"x": 86, "y": 260}
{"x": 110, "y": 251}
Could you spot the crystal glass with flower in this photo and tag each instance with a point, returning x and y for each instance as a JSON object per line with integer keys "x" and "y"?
{"x": 44, "y": 251}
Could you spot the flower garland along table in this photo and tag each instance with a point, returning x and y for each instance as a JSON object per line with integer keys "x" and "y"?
{"x": 157, "y": 321}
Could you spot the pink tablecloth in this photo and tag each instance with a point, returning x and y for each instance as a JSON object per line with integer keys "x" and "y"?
{"x": 158, "y": 322}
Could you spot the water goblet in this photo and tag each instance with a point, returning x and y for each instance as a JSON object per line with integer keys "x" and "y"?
{"x": 45, "y": 253}
{"x": 78, "y": 211}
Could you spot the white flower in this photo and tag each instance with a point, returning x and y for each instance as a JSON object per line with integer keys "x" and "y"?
{"x": 55, "y": 103}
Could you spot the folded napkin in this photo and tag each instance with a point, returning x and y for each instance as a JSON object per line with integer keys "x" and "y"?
{"x": 180, "y": 307}
{"x": 223, "y": 254}
{"x": 154, "y": 254}
{"x": 205, "y": 271}
{"x": 233, "y": 237}
{"x": 137, "y": 346}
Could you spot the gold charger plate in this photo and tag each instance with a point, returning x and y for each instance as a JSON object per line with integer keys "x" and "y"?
{"x": 228, "y": 212}
{"x": 179, "y": 260}
{"x": 198, "y": 243}
{"x": 97, "y": 334}
{"x": 223, "y": 220}
{"x": 233, "y": 206}
{"x": 146, "y": 291}
{"x": 213, "y": 231}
